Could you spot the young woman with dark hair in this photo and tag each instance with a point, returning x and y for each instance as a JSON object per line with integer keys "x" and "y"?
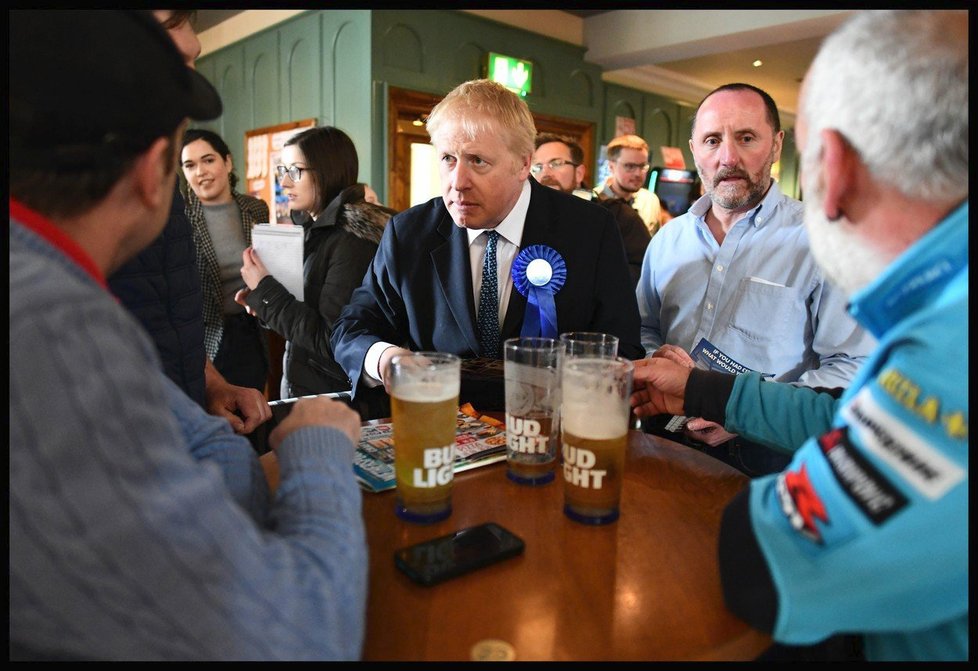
{"x": 222, "y": 220}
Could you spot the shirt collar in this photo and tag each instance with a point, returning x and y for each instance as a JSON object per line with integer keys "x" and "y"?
{"x": 511, "y": 227}
{"x": 768, "y": 205}
{"x": 610, "y": 193}
{"x": 46, "y": 229}
{"x": 916, "y": 277}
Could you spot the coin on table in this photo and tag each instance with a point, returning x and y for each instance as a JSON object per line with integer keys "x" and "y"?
{"x": 492, "y": 650}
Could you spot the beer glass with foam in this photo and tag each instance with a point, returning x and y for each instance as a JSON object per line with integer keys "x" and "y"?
{"x": 424, "y": 406}
{"x": 531, "y": 368}
{"x": 594, "y": 422}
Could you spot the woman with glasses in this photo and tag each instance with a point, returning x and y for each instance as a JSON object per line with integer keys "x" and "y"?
{"x": 318, "y": 175}
{"x": 222, "y": 219}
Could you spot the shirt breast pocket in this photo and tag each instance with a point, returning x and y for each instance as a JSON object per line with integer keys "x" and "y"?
{"x": 766, "y": 312}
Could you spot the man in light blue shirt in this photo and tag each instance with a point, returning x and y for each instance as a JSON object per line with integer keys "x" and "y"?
{"x": 733, "y": 278}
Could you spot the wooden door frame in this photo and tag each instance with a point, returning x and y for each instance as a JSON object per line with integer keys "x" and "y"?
{"x": 406, "y": 105}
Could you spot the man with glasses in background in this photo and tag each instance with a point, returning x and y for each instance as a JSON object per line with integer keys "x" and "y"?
{"x": 559, "y": 163}
{"x": 628, "y": 161}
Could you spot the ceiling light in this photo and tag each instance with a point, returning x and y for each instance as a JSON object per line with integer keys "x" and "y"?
{"x": 758, "y": 63}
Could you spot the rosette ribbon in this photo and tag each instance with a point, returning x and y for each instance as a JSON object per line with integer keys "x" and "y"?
{"x": 539, "y": 273}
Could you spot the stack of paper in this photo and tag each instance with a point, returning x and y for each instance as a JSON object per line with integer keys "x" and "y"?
{"x": 279, "y": 247}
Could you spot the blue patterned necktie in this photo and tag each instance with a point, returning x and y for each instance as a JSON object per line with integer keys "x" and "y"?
{"x": 488, "y": 317}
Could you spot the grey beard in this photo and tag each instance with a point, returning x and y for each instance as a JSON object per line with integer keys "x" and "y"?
{"x": 844, "y": 258}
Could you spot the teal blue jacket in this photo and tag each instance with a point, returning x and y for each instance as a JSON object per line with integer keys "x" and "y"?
{"x": 866, "y": 531}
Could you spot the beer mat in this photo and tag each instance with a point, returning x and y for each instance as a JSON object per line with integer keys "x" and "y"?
{"x": 479, "y": 440}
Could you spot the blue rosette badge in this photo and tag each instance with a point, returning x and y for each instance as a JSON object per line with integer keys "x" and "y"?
{"x": 539, "y": 273}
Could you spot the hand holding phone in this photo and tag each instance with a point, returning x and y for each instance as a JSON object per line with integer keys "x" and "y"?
{"x": 455, "y": 554}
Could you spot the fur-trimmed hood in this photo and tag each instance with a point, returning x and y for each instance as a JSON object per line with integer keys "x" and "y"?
{"x": 365, "y": 220}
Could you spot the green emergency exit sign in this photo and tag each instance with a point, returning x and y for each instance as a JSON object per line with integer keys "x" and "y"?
{"x": 512, "y": 73}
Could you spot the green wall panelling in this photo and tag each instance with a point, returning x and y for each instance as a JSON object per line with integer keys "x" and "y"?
{"x": 336, "y": 66}
{"x": 433, "y": 51}
{"x": 686, "y": 113}
{"x": 229, "y": 80}
{"x": 312, "y": 66}
{"x": 620, "y": 102}
{"x": 378, "y": 178}
{"x": 262, "y": 74}
{"x": 346, "y": 65}
{"x": 301, "y": 68}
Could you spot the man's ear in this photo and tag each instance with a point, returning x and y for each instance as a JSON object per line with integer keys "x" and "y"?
{"x": 838, "y": 173}
{"x": 152, "y": 173}
{"x": 579, "y": 173}
{"x": 523, "y": 165}
{"x": 778, "y": 144}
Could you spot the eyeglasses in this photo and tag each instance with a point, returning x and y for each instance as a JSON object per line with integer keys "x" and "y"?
{"x": 634, "y": 167}
{"x": 537, "y": 168}
{"x": 293, "y": 171}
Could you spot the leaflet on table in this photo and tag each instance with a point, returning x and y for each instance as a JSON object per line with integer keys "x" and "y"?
{"x": 279, "y": 247}
{"x": 479, "y": 440}
{"x": 708, "y": 356}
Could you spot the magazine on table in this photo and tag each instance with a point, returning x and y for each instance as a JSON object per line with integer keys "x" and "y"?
{"x": 479, "y": 440}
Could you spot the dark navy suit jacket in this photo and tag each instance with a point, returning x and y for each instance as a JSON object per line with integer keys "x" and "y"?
{"x": 418, "y": 293}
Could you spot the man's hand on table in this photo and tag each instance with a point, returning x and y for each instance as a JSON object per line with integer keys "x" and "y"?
{"x": 659, "y": 386}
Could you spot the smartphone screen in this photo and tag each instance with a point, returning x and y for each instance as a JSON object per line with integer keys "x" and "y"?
{"x": 457, "y": 553}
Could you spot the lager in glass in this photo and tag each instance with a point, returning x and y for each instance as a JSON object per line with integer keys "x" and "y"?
{"x": 594, "y": 436}
{"x": 424, "y": 406}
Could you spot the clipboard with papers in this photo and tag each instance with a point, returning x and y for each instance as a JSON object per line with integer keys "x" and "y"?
{"x": 280, "y": 248}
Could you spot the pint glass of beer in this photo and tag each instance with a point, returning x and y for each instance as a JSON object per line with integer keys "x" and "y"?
{"x": 424, "y": 406}
{"x": 594, "y": 422}
{"x": 590, "y": 343}
{"x": 531, "y": 367}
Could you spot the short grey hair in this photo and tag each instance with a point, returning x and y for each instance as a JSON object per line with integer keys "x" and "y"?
{"x": 894, "y": 84}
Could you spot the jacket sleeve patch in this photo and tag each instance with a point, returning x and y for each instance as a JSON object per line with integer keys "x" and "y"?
{"x": 801, "y": 504}
{"x": 890, "y": 439}
{"x": 859, "y": 479}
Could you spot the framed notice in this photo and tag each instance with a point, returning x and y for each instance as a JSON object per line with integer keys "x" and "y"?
{"x": 263, "y": 146}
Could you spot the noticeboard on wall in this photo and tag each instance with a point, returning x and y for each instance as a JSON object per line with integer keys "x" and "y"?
{"x": 263, "y": 147}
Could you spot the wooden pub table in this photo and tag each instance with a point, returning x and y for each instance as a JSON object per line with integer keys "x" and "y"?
{"x": 645, "y": 587}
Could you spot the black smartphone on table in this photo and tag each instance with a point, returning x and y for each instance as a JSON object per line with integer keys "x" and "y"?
{"x": 455, "y": 554}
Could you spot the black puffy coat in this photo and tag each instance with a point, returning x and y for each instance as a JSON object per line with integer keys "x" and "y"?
{"x": 160, "y": 287}
{"x": 339, "y": 246}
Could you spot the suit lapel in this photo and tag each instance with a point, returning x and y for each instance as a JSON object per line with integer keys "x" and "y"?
{"x": 451, "y": 263}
